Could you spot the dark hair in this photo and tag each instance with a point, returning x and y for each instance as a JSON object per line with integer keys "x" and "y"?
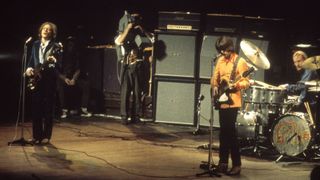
{"x": 224, "y": 43}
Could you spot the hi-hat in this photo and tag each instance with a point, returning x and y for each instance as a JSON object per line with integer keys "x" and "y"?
{"x": 255, "y": 55}
{"x": 312, "y": 63}
{"x": 313, "y": 89}
{"x": 311, "y": 83}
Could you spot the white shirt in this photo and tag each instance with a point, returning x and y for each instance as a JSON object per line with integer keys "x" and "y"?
{"x": 42, "y": 48}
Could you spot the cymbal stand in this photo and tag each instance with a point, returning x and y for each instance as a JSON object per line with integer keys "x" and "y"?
{"x": 209, "y": 166}
{"x": 21, "y": 107}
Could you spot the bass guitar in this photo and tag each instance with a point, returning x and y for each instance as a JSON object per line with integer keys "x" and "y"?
{"x": 223, "y": 96}
{"x": 33, "y": 80}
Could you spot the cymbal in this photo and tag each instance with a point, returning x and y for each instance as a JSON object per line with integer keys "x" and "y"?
{"x": 312, "y": 63}
{"x": 313, "y": 89}
{"x": 265, "y": 85}
{"x": 254, "y": 54}
{"x": 310, "y": 83}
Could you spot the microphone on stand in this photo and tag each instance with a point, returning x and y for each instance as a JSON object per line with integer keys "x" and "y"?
{"x": 201, "y": 97}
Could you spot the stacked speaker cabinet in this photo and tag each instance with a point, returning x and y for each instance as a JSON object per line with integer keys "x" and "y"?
{"x": 175, "y": 100}
{"x": 184, "y": 70}
{"x": 175, "y": 83}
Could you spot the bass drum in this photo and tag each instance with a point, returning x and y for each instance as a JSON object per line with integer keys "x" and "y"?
{"x": 292, "y": 133}
{"x": 247, "y": 124}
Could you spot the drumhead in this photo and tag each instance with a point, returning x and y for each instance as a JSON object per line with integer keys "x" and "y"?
{"x": 291, "y": 134}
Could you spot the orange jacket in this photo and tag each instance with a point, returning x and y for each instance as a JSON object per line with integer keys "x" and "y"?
{"x": 223, "y": 70}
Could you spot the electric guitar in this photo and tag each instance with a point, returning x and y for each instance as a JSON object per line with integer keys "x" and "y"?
{"x": 33, "y": 80}
{"x": 223, "y": 96}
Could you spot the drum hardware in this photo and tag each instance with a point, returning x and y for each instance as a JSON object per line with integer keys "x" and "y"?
{"x": 250, "y": 127}
{"x": 306, "y": 104}
{"x": 312, "y": 63}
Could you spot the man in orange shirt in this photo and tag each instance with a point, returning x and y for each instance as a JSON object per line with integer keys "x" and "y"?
{"x": 228, "y": 111}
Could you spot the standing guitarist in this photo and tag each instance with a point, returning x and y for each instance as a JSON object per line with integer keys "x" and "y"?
{"x": 131, "y": 56}
{"x": 43, "y": 68}
{"x": 229, "y": 66}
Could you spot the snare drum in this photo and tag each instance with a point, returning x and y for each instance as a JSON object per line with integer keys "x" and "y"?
{"x": 292, "y": 133}
{"x": 255, "y": 94}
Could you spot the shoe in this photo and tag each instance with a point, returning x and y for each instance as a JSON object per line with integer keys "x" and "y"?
{"x": 35, "y": 141}
{"x": 64, "y": 114}
{"x": 235, "y": 171}
{"x": 85, "y": 113}
{"x": 135, "y": 120}
{"x": 124, "y": 121}
{"x": 46, "y": 141}
{"x": 73, "y": 112}
{"x": 222, "y": 168}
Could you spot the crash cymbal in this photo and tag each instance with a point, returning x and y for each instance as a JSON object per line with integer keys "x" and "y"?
{"x": 312, "y": 63}
{"x": 255, "y": 55}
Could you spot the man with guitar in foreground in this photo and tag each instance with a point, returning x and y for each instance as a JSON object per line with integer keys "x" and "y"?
{"x": 43, "y": 70}
{"x": 226, "y": 83}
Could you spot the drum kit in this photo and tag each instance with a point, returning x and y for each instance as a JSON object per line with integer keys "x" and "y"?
{"x": 266, "y": 119}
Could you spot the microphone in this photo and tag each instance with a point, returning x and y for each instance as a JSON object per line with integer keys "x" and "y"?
{"x": 201, "y": 97}
{"x": 28, "y": 40}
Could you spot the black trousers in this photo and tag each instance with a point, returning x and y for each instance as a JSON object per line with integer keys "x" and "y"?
{"x": 43, "y": 106}
{"x": 130, "y": 84}
{"x": 228, "y": 137}
{"x": 65, "y": 92}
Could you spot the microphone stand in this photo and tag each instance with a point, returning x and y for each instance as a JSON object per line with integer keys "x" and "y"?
{"x": 210, "y": 166}
{"x": 21, "y": 107}
{"x": 197, "y": 130}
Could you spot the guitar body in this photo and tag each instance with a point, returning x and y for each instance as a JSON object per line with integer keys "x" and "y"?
{"x": 32, "y": 82}
{"x": 223, "y": 96}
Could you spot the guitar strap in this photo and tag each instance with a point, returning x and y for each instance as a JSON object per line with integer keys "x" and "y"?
{"x": 233, "y": 73}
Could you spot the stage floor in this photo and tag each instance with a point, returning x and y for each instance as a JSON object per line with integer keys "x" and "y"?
{"x": 103, "y": 148}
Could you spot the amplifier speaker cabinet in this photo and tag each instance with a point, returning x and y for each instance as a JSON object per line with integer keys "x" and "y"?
{"x": 175, "y": 102}
{"x": 205, "y": 107}
{"x": 180, "y": 55}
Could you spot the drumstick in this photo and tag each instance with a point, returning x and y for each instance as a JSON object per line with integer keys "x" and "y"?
{"x": 306, "y": 104}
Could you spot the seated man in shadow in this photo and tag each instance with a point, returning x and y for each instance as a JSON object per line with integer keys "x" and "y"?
{"x": 71, "y": 79}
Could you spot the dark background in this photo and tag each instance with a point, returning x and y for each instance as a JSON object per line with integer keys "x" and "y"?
{"x": 96, "y": 21}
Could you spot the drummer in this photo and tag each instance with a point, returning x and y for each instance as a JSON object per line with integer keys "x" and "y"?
{"x": 305, "y": 75}
{"x": 298, "y": 58}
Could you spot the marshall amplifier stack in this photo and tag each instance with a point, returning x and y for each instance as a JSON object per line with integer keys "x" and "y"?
{"x": 175, "y": 74}
{"x": 182, "y": 73}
